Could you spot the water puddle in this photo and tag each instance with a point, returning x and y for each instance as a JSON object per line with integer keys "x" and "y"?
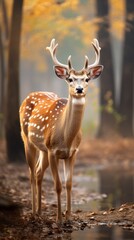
{"x": 104, "y": 188}
{"x": 103, "y": 233}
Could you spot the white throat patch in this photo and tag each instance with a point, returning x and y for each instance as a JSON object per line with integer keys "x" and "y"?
{"x": 78, "y": 101}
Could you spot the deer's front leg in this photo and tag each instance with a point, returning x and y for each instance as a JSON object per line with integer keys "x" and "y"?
{"x": 53, "y": 161}
{"x": 68, "y": 172}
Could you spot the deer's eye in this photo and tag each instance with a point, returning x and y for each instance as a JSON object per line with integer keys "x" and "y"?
{"x": 70, "y": 80}
{"x": 87, "y": 79}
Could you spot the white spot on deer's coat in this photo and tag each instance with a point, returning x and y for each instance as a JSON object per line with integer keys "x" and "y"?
{"x": 42, "y": 129}
{"x": 31, "y": 134}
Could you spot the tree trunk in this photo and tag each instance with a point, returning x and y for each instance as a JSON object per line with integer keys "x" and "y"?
{"x": 12, "y": 127}
{"x": 107, "y": 89}
{"x": 5, "y": 19}
{"x": 3, "y": 43}
{"x": 127, "y": 85}
{"x": 2, "y": 73}
{"x": 2, "y": 76}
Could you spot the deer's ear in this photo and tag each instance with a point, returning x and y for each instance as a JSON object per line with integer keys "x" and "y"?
{"x": 61, "y": 72}
{"x": 95, "y": 72}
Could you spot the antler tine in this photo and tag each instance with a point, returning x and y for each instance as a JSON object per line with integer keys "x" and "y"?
{"x": 69, "y": 62}
{"x": 52, "y": 50}
{"x": 86, "y": 62}
{"x": 97, "y": 49}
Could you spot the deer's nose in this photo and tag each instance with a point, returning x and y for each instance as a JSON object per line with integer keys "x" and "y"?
{"x": 79, "y": 89}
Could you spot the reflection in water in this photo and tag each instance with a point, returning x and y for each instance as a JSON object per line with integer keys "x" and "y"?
{"x": 103, "y": 233}
{"x": 95, "y": 185}
{"x": 99, "y": 233}
{"x": 118, "y": 185}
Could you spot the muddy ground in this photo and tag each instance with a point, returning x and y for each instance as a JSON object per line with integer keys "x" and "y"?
{"x": 16, "y": 220}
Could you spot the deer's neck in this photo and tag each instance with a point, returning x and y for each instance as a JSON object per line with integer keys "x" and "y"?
{"x": 72, "y": 118}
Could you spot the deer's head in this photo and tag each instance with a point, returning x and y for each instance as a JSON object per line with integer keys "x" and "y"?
{"x": 77, "y": 80}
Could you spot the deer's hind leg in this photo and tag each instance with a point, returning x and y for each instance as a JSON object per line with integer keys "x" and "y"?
{"x": 30, "y": 152}
{"x": 53, "y": 161}
{"x": 41, "y": 165}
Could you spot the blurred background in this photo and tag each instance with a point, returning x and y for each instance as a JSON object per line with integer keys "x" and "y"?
{"x": 26, "y": 29}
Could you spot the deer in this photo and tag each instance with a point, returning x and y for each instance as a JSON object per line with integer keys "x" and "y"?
{"x": 51, "y": 128}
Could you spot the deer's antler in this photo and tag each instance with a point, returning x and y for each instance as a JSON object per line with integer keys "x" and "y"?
{"x": 52, "y": 50}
